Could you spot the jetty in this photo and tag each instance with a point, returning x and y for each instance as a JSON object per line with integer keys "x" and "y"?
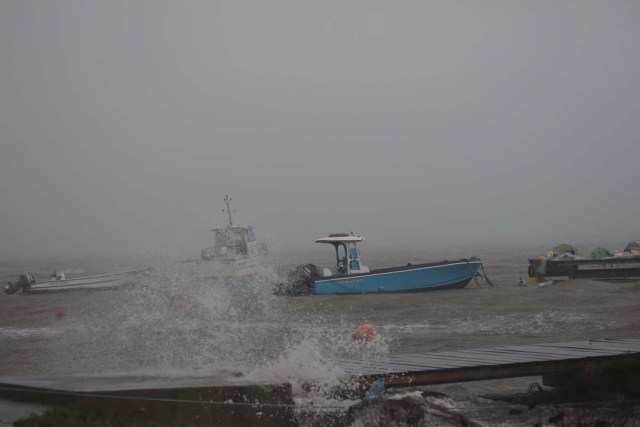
{"x": 604, "y": 363}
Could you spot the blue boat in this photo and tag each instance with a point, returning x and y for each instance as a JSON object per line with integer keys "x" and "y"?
{"x": 350, "y": 276}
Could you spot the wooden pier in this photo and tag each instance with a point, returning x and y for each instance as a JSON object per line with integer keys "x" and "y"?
{"x": 552, "y": 359}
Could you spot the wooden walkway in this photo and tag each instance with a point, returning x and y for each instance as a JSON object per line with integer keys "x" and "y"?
{"x": 494, "y": 363}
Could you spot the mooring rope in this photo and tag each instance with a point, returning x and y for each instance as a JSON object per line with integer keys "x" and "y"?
{"x": 474, "y": 274}
{"x": 485, "y": 275}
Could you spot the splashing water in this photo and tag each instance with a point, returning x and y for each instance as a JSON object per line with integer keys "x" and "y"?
{"x": 185, "y": 321}
{"x": 178, "y": 319}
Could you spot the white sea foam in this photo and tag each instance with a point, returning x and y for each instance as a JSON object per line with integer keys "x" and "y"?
{"x": 308, "y": 360}
{"x": 304, "y": 363}
{"x": 16, "y": 333}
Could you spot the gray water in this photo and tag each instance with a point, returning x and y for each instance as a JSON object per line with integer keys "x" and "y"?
{"x": 183, "y": 322}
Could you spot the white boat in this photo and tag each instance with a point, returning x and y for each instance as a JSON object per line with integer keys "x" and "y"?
{"x": 58, "y": 282}
{"x": 235, "y": 249}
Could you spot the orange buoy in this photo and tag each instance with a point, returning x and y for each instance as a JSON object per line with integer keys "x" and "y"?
{"x": 364, "y": 332}
{"x": 60, "y": 313}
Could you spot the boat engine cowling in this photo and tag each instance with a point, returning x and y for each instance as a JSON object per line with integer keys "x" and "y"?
{"x": 23, "y": 283}
{"x": 299, "y": 281}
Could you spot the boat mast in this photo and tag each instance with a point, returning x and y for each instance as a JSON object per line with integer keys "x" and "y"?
{"x": 227, "y": 199}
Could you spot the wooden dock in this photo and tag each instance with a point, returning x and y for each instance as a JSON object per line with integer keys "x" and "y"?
{"x": 415, "y": 369}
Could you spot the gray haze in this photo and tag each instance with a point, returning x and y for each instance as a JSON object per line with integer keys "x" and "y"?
{"x": 124, "y": 123}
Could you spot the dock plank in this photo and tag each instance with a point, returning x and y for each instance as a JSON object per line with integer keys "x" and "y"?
{"x": 601, "y": 349}
{"x": 603, "y": 342}
{"x": 431, "y": 363}
{"x": 454, "y": 362}
{"x": 515, "y": 357}
{"x": 507, "y": 356}
{"x": 551, "y": 350}
{"x": 616, "y": 344}
{"x": 586, "y": 350}
{"x": 457, "y": 360}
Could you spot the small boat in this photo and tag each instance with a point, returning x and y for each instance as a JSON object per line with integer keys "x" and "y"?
{"x": 26, "y": 283}
{"x": 235, "y": 249}
{"x": 352, "y": 277}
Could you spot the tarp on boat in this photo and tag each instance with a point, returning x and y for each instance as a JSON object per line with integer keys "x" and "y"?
{"x": 600, "y": 252}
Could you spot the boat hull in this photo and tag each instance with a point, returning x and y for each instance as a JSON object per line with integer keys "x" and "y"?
{"x": 242, "y": 266}
{"x": 87, "y": 283}
{"x": 417, "y": 278}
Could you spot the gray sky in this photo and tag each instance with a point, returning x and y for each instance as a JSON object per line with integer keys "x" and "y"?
{"x": 124, "y": 123}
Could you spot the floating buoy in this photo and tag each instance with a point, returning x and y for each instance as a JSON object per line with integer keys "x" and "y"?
{"x": 364, "y": 332}
{"x": 60, "y": 313}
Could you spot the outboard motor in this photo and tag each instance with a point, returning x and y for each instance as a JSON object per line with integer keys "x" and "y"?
{"x": 23, "y": 284}
{"x": 299, "y": 281}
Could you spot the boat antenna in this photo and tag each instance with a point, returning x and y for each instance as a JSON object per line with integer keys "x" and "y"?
{"x": 227, "y": 199}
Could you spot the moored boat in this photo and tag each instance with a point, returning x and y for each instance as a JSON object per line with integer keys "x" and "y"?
{"x": 235, "y": 249}
{"x": 350, "y": 276}
{"x": 26, "y": 283}
{"x": 564, "y": 261}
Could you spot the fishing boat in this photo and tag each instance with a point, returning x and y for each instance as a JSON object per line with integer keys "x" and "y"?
{"x": 235, "y": 249}
{"x": 351, "y": 276}
{"x": 27, "y": 284}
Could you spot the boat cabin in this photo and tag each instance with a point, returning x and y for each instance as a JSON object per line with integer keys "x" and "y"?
{"x": 233, "y": 241}
{"x": 347, "y": 254}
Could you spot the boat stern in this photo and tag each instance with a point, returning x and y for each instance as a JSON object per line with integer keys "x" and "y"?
{"x": 23, "y": 284}
{"x": 299, "y": 281}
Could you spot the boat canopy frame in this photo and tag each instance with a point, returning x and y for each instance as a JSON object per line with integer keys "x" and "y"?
{"x": 349, "y": 260}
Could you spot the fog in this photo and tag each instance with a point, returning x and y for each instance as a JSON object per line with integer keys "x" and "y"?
{"x": 123, "y": 124}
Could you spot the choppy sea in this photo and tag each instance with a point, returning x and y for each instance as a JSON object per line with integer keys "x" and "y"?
{"x": 183, "y": 321}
